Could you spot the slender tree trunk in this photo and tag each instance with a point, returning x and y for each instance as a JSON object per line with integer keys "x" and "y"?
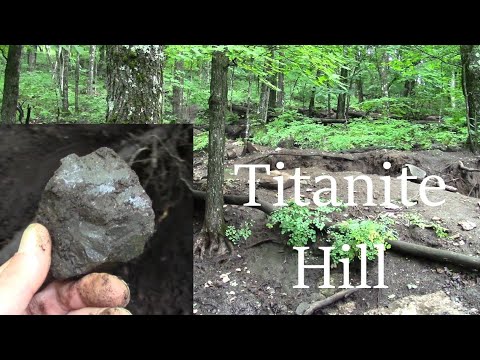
{"x": 342, "y": 97}
{"x": 264, "y": 100}
{"x": 11, "y": 85}
{"x": 247, "y": 113}
{"x": 177, "y": 97}
{"x": 408, "y": 88}
{"x": 101, "y": 60}
{"x": 272, "y": 99}
{"x": 91, "y": 70}
{"x": 311, "y": 104}
{"x": 77, "y": 83}
{"x": 231, "y": 89}
{"x": 66, "y": 67}
{"x": 360, "y": 94}
{"x": 453, "y": 85}
{"x": 134, "y": 83}
{"x": 212, "y": 235}
{"x": 281, "y": 92}
{"x": 470, "y": 56}
{"x": 32, "y": 57}
{"x": 60, "y": 69}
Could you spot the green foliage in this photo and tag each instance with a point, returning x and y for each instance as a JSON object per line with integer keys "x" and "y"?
{"x": 415, "y": 219}
{"x": 200, "y": 141}
{"x": 386, "y": 133}
{"x": 236, "y": 235}
{"x": 355, "y": 232}
{"x": 300, "y": 222}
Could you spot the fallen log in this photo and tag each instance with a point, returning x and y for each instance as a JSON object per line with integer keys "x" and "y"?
{"x": 266, "y": 207}
{"x": 317, "y": 305}
{"x": 439, "y": 255}
{"x": 286, "y": 153}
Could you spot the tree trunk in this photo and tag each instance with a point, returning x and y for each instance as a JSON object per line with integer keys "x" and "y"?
{"x": 360, "y": 95}
{"x": 408, "y": 88}
{"x": 272, "y": 99}
{"x": 231, "y": 89}
{"x": 453, "y": 85}
{"x": 11, "y": 85}
{"x": 91, "y": 71}
{"x": 60, "y": 70}
{"x": 101, "y": 60}
{"x": 247, "y": 114}
{"x": 212, "y": 235}
{"x": 32, "y": 57}
{"x": 66, "y": 66}
{"x": 329, "y": 99}
{"x": 281, "y": 86}
{"x": 177, "y": 97}
{"x": 77, "y": 83}
{"x": 470, "y": 55}
{"x": 342, "y": 97}
{"x": 264, "y": 100}
{"x": 134, "y": 83}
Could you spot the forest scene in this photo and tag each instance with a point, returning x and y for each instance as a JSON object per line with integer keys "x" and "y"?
{"x": 338, "y": 111}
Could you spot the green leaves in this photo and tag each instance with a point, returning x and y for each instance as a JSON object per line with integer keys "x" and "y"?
{"x": 236, "y": 235}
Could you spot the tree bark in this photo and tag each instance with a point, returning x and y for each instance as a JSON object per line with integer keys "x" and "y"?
{"x": 212, "y": 235}
{"x": 134, "y": 83}
{"x": 408, "y": 88}
{"x": 91, "y": 70}
{"x": 77, "y": 83}
{"x": 11, "y": 85}
{"x": 101, "y": 60}
{"x": 177, "y": 97}
{"x": 66, "y": 67}
{"x": 342, "y": 97}
{"x": 470, "y": 57}
{"x": 247, "y": 114}
{"x": 272, "y": 99}
{"x": 453, "y": 85}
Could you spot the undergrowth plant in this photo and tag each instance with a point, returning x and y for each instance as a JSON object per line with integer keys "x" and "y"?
{"x": 300, "y": 223}
{"x": 236, "y": 235}
{"x": 355, "y": 232}
{"x": 200, "y": 141}
{"x": 417, "y": 220}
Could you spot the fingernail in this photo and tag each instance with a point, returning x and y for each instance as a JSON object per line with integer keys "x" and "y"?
{"x": 28, "y": 242}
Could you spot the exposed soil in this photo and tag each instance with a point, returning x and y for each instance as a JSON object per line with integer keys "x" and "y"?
{"x": 160, "y": 279}
{"x": 260, "y": 278}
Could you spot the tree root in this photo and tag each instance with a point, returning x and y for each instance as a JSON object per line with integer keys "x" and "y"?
{"x": 318, "y": 305}
{"x": 463, "y": 167}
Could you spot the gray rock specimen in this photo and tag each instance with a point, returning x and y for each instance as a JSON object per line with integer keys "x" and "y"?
{"x": 97, "y": 213}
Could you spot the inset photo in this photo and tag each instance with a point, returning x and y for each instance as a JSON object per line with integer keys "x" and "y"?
{"x": 96, "y": 219}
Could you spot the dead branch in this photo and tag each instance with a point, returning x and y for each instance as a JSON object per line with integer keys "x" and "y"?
{"x": 317, "y": 305}
{"x": 463, "y": 167}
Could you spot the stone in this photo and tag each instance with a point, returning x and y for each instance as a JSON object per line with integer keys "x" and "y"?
{"x": 467, "y": 225}
{"x": 97, "y": 213}
{"x": 268, "y": 181}
{"x": 301, "y": 308}
{"x": 231, "y": 154}
{"x": 416, "y": 171}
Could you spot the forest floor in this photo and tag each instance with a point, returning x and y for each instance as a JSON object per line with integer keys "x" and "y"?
{"x": 259, "y": 279}
{"x": 160, "y": 279}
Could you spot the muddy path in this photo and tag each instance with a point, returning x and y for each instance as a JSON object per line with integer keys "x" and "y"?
{"x": 261, "y": 278}
{"x": 160, "y": 279}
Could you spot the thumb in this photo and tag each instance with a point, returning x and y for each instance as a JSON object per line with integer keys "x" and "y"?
{"x": 25, "y": 272}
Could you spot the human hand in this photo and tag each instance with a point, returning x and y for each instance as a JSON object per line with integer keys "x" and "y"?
{"x": 25, "y": 272}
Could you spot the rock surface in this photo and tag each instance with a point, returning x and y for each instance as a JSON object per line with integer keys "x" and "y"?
{"x": 97, "y": 213}
{"x": 268, "y": 181}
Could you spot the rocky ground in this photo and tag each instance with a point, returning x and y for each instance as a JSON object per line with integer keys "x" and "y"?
{"x": 259, "y": 279}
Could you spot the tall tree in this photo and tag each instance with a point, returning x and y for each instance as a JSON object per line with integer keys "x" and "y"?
{"x": 91, "y": 71}
{"x": 66, "y": 67}
{"x": 212, "y": 235}
{"x": 470, "y": 57}
{"x": 281, "y": 85}
{"x": 134, "y": 83}
{"x": 77, "y": 83}
{"x": 342, "y": 96}
{"x": 177, "y": 97}
{"x": 11, "y": 85}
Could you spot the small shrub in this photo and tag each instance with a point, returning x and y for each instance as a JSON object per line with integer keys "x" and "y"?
{"x": 235, "y": 235}
{"x": 416, "y": 220}
{"x": 355, "y": 232}
{"x": 300, "y": 222}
